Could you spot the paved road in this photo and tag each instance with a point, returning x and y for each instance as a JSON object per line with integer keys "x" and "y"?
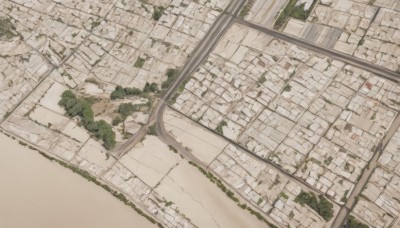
{"x": 199, "y": 55}
{"x": 339, "y": 220}
{"x": 333, "y": 54}
{"x": 383, "y": 72}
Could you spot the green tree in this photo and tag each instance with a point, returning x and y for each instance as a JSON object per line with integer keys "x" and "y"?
{"x": 132, "y": 91}
{"x": 118, "y": 93}
{"x": 82, "y": 108}
{"x": 152, "y": 130}
{"x": 171, "y": 74}
{"x": 116, "y": 121}
{"x": 126, "y": 109}
{"x": 352, "y": 222}
{"x": 321, "y": 205}
{"x": 150, "y": 88}
{"x": 121, "y": 93}
{"x": 87, "y": 112}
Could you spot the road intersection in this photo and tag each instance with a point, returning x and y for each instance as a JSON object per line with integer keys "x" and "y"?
{"x": 201, "y": 52}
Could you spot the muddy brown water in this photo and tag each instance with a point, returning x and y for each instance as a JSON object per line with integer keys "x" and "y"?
{"x": 36, "y": 192}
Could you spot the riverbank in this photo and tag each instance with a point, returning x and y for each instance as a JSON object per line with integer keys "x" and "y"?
{"x": 38, "y": 193}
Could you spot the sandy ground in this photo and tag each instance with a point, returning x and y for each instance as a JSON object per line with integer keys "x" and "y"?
{"x": 294, "y": 27}
{"x": 37, "y": 193}
{"x": 203, "y": 144}
{"x": 265, "y": 12}
{"x": 59, "y": 122}
{"x": 44, "y": 117}
{"x": 202, "y": 201}
{"x": 150, "y": 160}
{"x": 76, "y": 132}
{"x": 52, "y": 97}
{"x": 92, "y": 89}
{"x": 94, "y": 157}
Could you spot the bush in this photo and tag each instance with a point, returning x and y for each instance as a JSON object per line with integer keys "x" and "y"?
{"x": 131, "y": 91}
{"x": 139, "y": 62}
{"x": 150, "y": 88}
{"x": 118, "y": 93}
{"x": 321, "y": 205}
{"x": 292, "y": 10}
{"x": 220, "y": 126}
{"x": 152, "y": 130}
{"x": 158, "y": 12}
{"x": 171, "y": 74}
{"x": 127, "y": 109}
{"x": 116, "y": 121}
{"x": 121, "y": 93}
{"x": 352, "y": 222}
{"x": 7, "y": 28}
{"x": 246, "y": 9}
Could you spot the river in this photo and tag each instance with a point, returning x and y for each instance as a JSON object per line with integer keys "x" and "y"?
{"x": 36, "y": 192}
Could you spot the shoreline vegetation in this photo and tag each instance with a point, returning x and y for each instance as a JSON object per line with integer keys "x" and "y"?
{"x": 86, "y": 175}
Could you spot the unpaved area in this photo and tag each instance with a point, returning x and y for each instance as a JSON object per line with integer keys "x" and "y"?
{"x": 201, "y": 143}
{"x": 201, "y": 200}
{"x": 150, "y": 160}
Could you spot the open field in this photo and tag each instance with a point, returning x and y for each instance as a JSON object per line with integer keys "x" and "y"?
{"x": 196, "y": 139}
{"x": 202, "y": 201}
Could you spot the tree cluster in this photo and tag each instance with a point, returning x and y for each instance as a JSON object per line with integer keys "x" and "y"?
{"x": 352, "y": 222}
{"x": 150, "y": 88}
{"x": 127, "y": 109}
{"x": 75, "y": 106}
{"x": 319, "y": 204}
{"x": 121, "y": 93}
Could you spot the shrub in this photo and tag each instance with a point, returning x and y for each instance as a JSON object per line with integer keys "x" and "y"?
{"x": 171, "y": 75}
{"x": 158, "y": 12}
{"x": 118, "y": 93}
{"x": 293, "y": 10}
{"x": 352, "y": 222}
{"x": 139, "y": 62}
{"x": 319, "y": 204}
{"x": 150, "y": 88}
{"x": 246, "y": 9}
{"x": 7, "y": 28}
{"x": 220, "y": 126}
{"x": 127, "y": 109}
{"x": 152, "y": 130}
{"x": 121, "y": 93}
